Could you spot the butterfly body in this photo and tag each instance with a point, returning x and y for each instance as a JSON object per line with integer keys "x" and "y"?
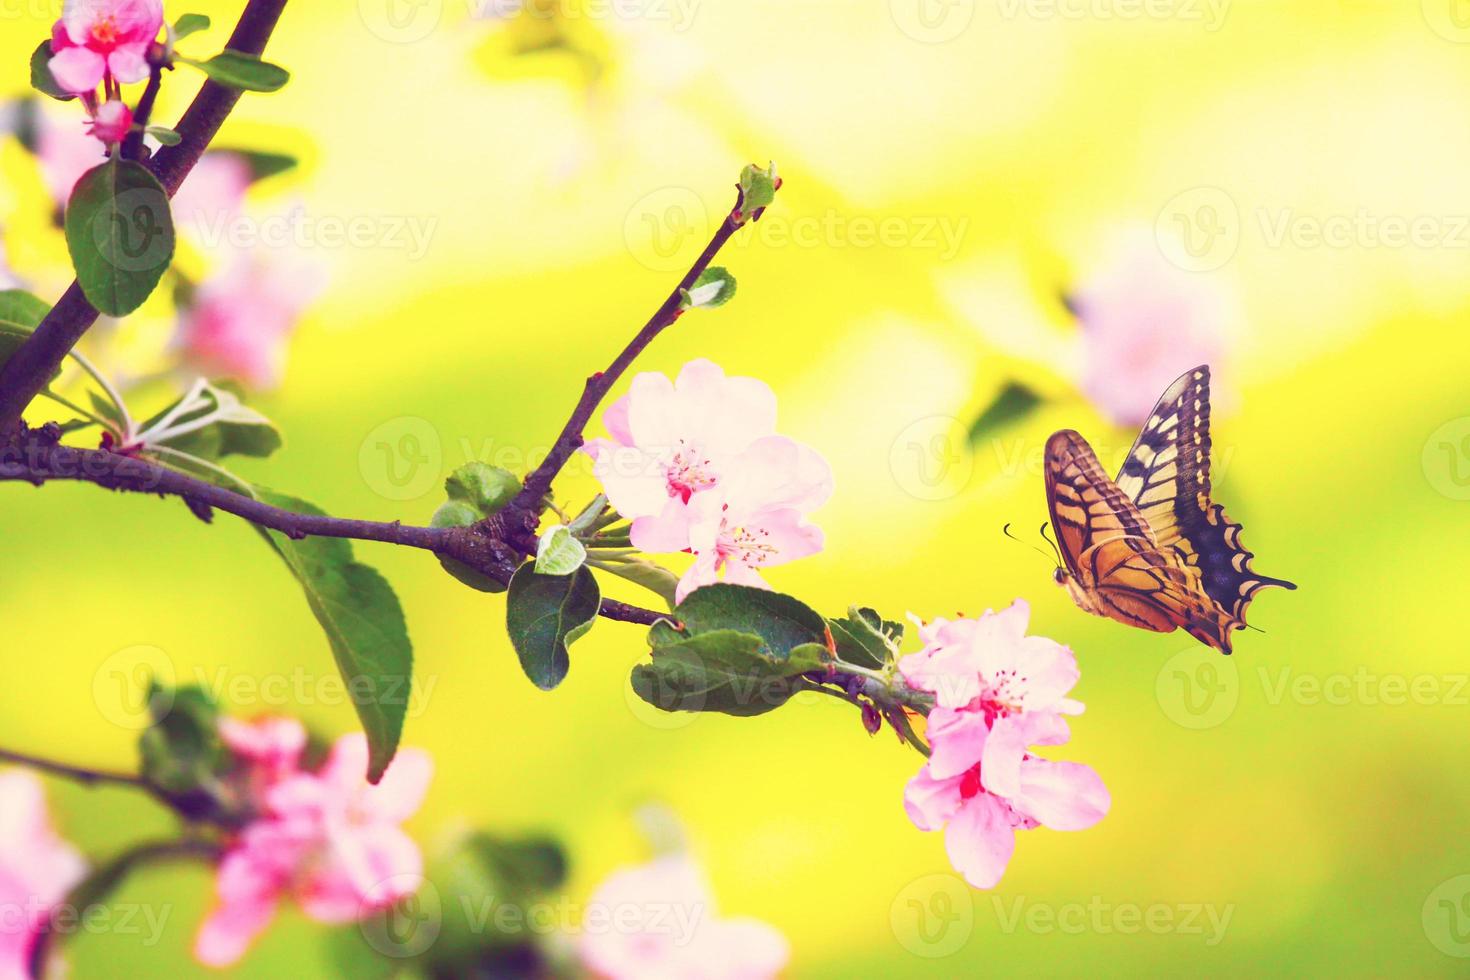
{"x": 1150, "y": 549}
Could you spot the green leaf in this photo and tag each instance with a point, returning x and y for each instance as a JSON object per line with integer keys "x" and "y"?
{"x": 487, "y": 488}
{"x": 181, "y": 750}
{"x": 19, "y": 306}
{"x": 757, "y": 188}
{"x": 1014, "y": 402}
{"x": 164, "y": 135}
{"x": 545, "y": 614}
{"x": 714, "y": 287}
{"x": 235, "y": 429}
{"x": 41, "y": 78}
{"x": 190, "y": 24}
{"x": 363, "y": 620}
{"x": 725, "y": 670}
{"x": 558, "y": 552}
{"x": 866, "y": 639}
{"x": 457, "y": 513}
{"x": 242, "y": 71}
{"x": 485, "y": 872}
{"x": 261, "y": 164}
{"x": 120, "y": 233}
{"x": 654, "y": 578}
{"x": 782, "y": 622}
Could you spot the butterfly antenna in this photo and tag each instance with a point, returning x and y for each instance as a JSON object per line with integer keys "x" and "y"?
{"x": 1054, "y": 548}
{"x": 1007, "y": 532}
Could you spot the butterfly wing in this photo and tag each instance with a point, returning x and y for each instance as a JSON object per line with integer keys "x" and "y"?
{"x": 1117, "y": 568}
{"x": 1167, "y": 476}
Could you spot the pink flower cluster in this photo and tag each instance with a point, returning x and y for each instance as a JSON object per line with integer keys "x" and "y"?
{"x": 657, "y": 922}
{"x": 697, "y": 466}
{"x": 326, "y": 838}
{"x": 37, "y": 869}
{"x": 97, "y": 40}
{"x": 998, "y": 693}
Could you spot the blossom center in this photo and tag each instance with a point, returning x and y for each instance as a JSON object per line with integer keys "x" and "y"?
{"x": 104, "y": 33}
{"x": 687, "y": 472}
{"x": 745, "y": 545}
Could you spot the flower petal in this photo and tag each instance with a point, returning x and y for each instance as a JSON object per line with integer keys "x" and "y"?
{"x": 78, "y": 70}
{"x": 930, "y": 802}
{"x": 958, "y": 740}
{"x": 980, "y": 841}
{"x": 1062, "y": 795}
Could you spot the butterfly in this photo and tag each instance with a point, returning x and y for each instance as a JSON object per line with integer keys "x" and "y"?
{"x": 1149, "y": 548}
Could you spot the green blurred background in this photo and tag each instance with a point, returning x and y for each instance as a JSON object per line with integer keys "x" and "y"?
{"x": 1312, "y": 788}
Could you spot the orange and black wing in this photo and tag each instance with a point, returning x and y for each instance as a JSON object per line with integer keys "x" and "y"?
{"x": 1086, "y": 507}
{"x": 1154, "y": 590}
{"x": 1167, "y": 476}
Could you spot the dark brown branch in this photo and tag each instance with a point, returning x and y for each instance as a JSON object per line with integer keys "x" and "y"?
{"x": 39, "y": 459}
{"x": 33, "y": 364}
{"x": 88, "y": 777}
{"x": 132, "y": 147}
{"x": 531, "y": 498}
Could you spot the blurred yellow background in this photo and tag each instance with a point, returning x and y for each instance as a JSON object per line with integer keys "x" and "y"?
{"x": 950, "y": 167}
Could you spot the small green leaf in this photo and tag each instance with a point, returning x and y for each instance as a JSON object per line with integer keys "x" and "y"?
{"x": 1014, "y": 402}
{"x": 164, "y": 135}
{"x": 190, "y": 24}
{"x": 727, "y": 671}
{"x": 242, "y": 71}
{"x": 558, "y": 552}
{"x": 19, "y": 306}
{"x": 654, "y": 578}
{"x": 866, "y": 639}
{"x": 363, "y": 620}
{"x": 714, "y": 287}
{"x": 457, "y": 513}
{"x": 181, "y": 751}
{"x": 120, "y": 233}
{"x": 41, "y": 78}
{"x": 487, "y": 488}
{"x": 545, "y": 614}
{"x": 261, "y": 164}
{"x": 782, "y": 622}
{"x": 757, "y": 188}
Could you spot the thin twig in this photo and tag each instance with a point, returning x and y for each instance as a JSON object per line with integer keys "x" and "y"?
{"x": 80, "y": 774}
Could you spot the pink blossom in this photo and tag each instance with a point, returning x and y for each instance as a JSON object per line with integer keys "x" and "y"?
{"x": 37, "y": 869}
{"x": 98, "y": 38}
{"x": 65, "y": 152}
{"x": 238, "y": 323}
{"x": 211, "y": 197}
{"x": 269, "y": 748}
{"x": 111, "y": 122}
{"x": 657, "y": 921}
{"x": 327, "y": 839}
{"x": 1144, "y": 322}
{"x": 998, "y": 693}
{"x": 697, "y": 466}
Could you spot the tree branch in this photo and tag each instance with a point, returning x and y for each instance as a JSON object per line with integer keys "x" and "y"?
{"x": 33, "y": 364}
{"x": 538, "y": 483}
{"x": 87, "y": 777}
{"x": 40, "y": 458}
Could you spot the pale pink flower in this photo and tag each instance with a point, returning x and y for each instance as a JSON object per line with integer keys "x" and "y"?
{"x": 97, "y": 38}
{"x": 330, "y": 840}
{"x": 238, "y": 323}
{"x": 269, "y": 747}
{"x": 37, "y": 869}
{"x": 998, "y": 692}
{"x": 111, "y": 122}
{"x": 210, "y": 198}
{"x": 1144, "y": 322}
{"x": 658, "y": 921}
{"x": 65, "y": 152}
{"x": 733, "y": 538}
